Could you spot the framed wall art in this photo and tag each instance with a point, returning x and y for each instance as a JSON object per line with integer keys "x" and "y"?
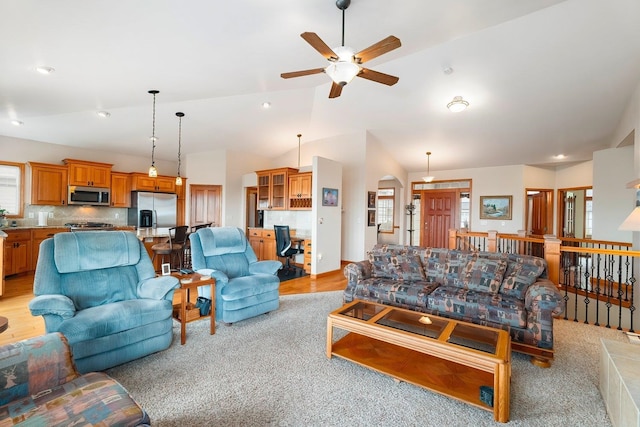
{"x": 495, "y": 207}
{"x": 371, "y": 217}
{"x": 329, "y": 197}
{"x": 371, "y": 200}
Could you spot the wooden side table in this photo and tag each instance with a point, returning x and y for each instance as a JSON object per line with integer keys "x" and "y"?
{"x": 4, "y": 324}
{"x": 196, "y": 281}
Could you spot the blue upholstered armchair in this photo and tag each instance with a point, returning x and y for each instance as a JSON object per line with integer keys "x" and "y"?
{"x": 245, "y": 287}
{"x": 99, "y": 289}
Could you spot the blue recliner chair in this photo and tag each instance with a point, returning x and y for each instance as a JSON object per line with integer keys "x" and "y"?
{"x": 100, "y": 290}
{"x": 245, "y": 287}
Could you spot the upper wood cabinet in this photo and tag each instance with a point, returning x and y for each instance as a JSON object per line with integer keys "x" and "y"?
{"x": 89, "y": 174}
{"x": 160, "y": 184}
{"x": 120, "y": 190}
{"x": 48, "y": 184}
{"x": 273, "y": 188}
{"x": 300, "y": 191}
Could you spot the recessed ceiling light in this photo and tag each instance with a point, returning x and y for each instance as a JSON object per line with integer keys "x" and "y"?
{"x": 104, "y": 114}
{"x": 266, "y": 105}
{"x": 17, "y": 122}
{"x": 458, "y": 104}
{"x": 45, "y": 70}
{"x": 559, "y": 157}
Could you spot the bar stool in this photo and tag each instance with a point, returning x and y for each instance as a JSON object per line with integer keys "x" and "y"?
{"x": 174, "y": 247}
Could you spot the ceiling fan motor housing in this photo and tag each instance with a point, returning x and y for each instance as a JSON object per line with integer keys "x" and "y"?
{"x": 343, "y": 4}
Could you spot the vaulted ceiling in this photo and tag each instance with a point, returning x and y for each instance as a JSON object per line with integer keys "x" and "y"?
{"x": 543, "y": 77}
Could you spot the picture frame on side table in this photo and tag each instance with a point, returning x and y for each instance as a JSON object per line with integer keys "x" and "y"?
{"x": 329, "y": 197}
{"x": 166, "y": 269}
{"x": 371, "y": 199}
{"x": 371, "y": 217}
{"x": 496, "y": 207}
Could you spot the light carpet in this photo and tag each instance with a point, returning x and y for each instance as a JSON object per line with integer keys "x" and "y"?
{"x": 272, "y": 371}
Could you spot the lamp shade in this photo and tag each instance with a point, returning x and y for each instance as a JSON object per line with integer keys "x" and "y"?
{"x": 632, "y": 222}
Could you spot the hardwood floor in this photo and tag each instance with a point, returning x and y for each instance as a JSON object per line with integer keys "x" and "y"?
{"x": 22, "y": 325}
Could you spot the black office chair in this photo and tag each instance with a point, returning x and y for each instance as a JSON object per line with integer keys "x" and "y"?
{"x": 285, "y": 248}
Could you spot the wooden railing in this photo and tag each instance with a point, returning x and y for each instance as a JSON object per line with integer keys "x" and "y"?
{"x": 597, "y": 278}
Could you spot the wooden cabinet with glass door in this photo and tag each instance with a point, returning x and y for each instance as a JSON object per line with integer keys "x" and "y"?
{"x": 273, "y": 188}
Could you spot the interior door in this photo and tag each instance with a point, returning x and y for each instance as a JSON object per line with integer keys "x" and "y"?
{"x": 438, "y": 215}
{"x": 539, "y": 212}
{"x": 205, "y": 204}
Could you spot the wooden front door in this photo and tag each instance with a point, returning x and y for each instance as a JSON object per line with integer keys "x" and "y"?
{"x": 206, "y": 202}
{"x": 438, "y": 215}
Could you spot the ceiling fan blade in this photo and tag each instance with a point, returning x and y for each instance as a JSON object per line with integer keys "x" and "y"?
{"x": 302, "y": 73}
{"x": 335, "y": 91}
{"x": 377, "y": 49}
{"x": 376, "y": 76}
{"x": 317, "y": 43}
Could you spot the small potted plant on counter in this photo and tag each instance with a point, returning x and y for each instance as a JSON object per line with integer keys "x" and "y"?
{"x": 3, "y": 218}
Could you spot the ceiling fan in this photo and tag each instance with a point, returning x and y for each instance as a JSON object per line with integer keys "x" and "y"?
{"x": 344, "y": 64}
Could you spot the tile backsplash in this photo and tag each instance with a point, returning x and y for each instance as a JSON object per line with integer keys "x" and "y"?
{"x": 60, "y": 215}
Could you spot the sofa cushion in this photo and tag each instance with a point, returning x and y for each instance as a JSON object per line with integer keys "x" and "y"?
{"x": 522, "y": 272}
{"x": 435, "y": 263}
{"x": 455, "y": 269}
{"x": 396, "y": 266}
{"x": 478, "y": 307}
{"x": 483, "y": 274}
{"x": 412, "y": 295}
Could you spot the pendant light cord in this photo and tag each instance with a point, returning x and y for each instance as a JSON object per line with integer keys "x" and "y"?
{"x": 299, "y": 136}
{"x": 179, "y": 141}
{"x": 153, "y": 132}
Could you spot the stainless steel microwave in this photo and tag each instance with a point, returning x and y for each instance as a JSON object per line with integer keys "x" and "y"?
{"x": 89, "y": 196}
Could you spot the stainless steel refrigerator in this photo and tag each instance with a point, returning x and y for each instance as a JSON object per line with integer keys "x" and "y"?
{"x": 162, "y": 205}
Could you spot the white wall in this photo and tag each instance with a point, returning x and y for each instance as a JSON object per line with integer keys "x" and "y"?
{"x": 612, "y": 200}
{"x": 25, "y": 150}
{"x": 326, "y": 229}
{"x": 493, "y": 181}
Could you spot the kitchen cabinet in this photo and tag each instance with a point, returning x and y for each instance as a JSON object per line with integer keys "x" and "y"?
{"x": 273, "y": 188}
{"x": 181, "y": 191}
{"x": 89, "y": 174}
{"x": 17, "y": 252}
{"x": 300, "y": 191}
{"x": 307, "y": 256}
{"x": 48, "y": 184}
{"x": 160, "y": 184}
{"x": 263, "y": 242}
{"x": 120, "y": 190}
{"x": 37, "y": 236}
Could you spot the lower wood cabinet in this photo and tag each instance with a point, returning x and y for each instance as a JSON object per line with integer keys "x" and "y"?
{"x": 37, "y": 236}
{"x": 307, "y": 256}
{"x": 263, "y": 242}
{"x": 17, "y": 252}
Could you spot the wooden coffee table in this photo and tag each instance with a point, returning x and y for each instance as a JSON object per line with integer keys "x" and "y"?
{"x": 187, "y": 283}
{"x": 468, "y": 362}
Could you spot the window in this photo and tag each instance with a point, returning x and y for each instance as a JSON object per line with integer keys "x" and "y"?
{"x": 386, "y": 207}
{"x": 588, "y": 213}
{"x": 11, "y": 188}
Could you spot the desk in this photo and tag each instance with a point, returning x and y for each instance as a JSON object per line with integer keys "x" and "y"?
{"x": 183, "y": 290}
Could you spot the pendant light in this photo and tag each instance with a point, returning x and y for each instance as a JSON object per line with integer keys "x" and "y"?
{"x": 428, "y": 178}
{"x": 457, "y": 104}
{"x": 153, "y": 172}
{"x": 299, "y": 136}
{"x": 180, "y": 116}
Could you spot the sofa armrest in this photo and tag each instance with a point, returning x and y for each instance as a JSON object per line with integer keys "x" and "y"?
{"x": 35, "y": 365}
{"x": 357, "y": 271}
{"x": 543, "y": 295}
{"x": 59, "y": 305}
{"x": 158, "y": 288}
{"x": 265, "y": 267}
{"x": 220, "y": 276}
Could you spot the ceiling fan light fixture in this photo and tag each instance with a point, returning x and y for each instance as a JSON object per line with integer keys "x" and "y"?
{"x": 458, "y": 104}
{"x": 342, "y": 72}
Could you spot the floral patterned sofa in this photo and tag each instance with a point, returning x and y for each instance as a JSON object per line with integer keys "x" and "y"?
{"x": 507, "y": 291}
